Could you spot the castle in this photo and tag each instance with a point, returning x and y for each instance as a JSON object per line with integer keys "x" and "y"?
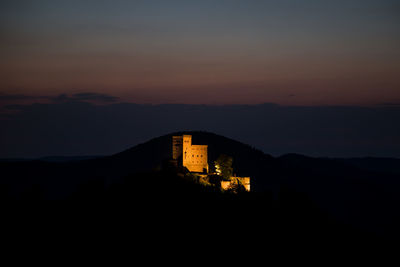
{"x": 195, "y": 159}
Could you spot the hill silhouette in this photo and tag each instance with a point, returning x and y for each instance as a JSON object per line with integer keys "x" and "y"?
{"x": 300, "y": 194}
{"x": 141, "y": 158}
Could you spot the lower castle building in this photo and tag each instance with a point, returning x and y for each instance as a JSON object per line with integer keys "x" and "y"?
{"x": 245, "y": 181}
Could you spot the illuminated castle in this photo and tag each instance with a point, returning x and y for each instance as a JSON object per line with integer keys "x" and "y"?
{"x": 194, "y": 157}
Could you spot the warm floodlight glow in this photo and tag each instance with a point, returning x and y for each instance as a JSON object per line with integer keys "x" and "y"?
{"x": 217, "y": 169}
{"x": 182, "y": 149}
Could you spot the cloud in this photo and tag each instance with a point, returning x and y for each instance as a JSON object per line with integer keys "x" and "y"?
{"x": 86, "y": 97}
{"x": 96, "y": 98}
{"x": 12, "y": 97}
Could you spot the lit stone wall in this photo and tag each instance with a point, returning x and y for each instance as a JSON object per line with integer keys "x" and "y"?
{"x": 225, "y": 185}
{"x": 194, "y": 157}
{"x": 245, "y": 181}
{"x": 176, "y": 147}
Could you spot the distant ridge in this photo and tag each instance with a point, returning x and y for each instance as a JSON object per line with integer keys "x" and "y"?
{"x": 52, "y": 158}
{"x": 379, "y": 164}
{"x": 362, "y": 191}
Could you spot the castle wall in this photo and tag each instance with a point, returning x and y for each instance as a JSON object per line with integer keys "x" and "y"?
{"x": 194, "y": 157}
{"x": 245, "y": 181}
{"x": 177, "y": 147}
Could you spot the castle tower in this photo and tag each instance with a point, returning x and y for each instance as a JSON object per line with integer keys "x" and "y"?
{"x": 187, "y": 148}
{"x": 194, "y": 157}
{"x": 176, "y": 147}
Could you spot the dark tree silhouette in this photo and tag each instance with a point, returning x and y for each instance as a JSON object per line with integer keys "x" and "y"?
{"x": 223, "y": 166}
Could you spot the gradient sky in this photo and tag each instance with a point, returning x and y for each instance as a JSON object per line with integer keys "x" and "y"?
{"x": 303, "y": 52}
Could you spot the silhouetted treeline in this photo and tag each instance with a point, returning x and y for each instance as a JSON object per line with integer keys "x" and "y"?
{"x": 294, "y": 198}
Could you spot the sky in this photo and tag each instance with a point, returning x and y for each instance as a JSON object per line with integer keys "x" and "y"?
{"x": 72, "y": 126}
{"x": 293, "y": 53}
{"x": 89, "y": 77}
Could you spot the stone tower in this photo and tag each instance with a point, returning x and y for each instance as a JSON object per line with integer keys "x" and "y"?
{"x": 176, "y": 147}
{"x": 194, "y": 157}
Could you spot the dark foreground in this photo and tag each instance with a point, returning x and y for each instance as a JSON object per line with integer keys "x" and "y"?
{"x": 299, "y": 207}
{"x": 161, "y": 216}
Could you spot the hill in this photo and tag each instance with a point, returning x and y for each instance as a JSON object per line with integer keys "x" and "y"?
{"x": 58, "y": 178}
{"x": 389, "y": 165}
{"x": 323, "y": 191}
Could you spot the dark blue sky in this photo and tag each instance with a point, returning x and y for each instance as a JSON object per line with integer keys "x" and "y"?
{"x": 70, "y": 127}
